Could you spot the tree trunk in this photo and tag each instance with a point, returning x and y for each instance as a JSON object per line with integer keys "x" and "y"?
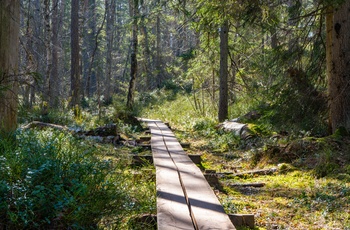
{"x": 223, "y": 94}
{"x": 338, "y": 64}
{"x": 75, "y": 55}
{"x": 133, "y": 56}
{"x": 110, "y": 8}
{"x": 54, "y": 77}
{"x": 89, "y": 42}
{"x": 158, "y": 53}
{"x": 30, "y": 62}
{"x": 48, "y": 80}
{"x": 9, "y": 50}
{"x": 146, "y": 63}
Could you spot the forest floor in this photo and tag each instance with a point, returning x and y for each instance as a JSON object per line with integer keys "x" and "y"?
{"x": 307, "y": 188}
{"x": 306, "y": 184}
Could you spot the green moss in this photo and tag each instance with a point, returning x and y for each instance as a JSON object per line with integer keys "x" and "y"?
{"x": 341, "y": 132}
{"x": 259, "y": 130}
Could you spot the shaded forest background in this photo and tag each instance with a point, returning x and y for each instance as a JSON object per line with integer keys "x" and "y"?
{"x": 276, "y": 55}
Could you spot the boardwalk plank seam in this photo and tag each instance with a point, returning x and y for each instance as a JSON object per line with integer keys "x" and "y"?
{"x": 204, "y": 209}
{"x": 182, "y": 183}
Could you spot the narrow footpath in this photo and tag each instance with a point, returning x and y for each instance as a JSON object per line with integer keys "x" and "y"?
{"x": 185, "y": 200}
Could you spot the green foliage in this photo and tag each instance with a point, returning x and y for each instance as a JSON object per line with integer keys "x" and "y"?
{"x": 259, "y": 129}
{"x": 326, "y": 163}
{"x": 180, "y": 110}
{"x": 52, "y": 180}
{"x": 340, "y": 132}
{"x": 124, "y": 117}
{"x": 217, "y": 139}
{"x": 205, "y": 126}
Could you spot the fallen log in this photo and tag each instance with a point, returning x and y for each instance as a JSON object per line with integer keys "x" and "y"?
{"x": 104, "y": 131}
{"x": 252, "y": 172}
{"x": 256, "y": 185}
{"x": 102, "y": 134}
{"x": 41, "y": 125}
{"x": 238, "y": 129}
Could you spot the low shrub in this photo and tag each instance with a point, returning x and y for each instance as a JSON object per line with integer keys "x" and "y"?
{"x": 51, "y": 180}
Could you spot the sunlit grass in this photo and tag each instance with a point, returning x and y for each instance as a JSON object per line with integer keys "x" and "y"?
{"x": 296, "y": 200}
{"x": 180, "y": 113}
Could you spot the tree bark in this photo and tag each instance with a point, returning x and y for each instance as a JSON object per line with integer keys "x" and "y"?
{"x": 30, "y": 62}
{"x": 48, "y": 78}
{"x": 54, "y": 76}
{"x": 223, "y": 94}
{"x": 158, "y": 65}
{"x": 91, "y": 49}
{"x": 75, "y": 55}
{"x": 338, "y": 64}
{"x": 110, "y": 8}
{"x": 133, "y": 4}
{"x": 9, "y": 50}
{"x": 146, "y": 63}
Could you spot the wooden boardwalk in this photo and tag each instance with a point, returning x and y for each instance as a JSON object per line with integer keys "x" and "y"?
{"x": 185, "y": 200}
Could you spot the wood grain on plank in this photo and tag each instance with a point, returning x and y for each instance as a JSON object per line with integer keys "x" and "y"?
{"x": 172, "y": 209}
{"x": 207, "y": 212}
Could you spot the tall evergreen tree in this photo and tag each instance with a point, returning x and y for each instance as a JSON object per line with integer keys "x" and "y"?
{"x": 9, "y": 51}
{"x": 339, "y": 66}
{"x": 75, "y": 54}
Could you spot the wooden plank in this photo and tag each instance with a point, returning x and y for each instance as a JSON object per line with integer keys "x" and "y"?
{"x": 172, "y": 208}
{"x": 242, "y": 220}
{"x": 178, "y": 179}
{"x": 206, "y": 208}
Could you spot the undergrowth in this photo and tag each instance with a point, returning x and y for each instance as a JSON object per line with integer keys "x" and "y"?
{"x": 51, "y": 179}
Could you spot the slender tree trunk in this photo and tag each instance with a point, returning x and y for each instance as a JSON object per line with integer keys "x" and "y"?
{"x": 110, "y": 8}
{"x": 75, "y": 54}
{"x": 158, "y": 65}
{"x": 47, "y": 87}
{"x": 146, "y": 64}
{"x": 133, "y": 56}
{"x": 87, "y": 38}
{"x": 29, "y": 57}
{"x": 9, "y": 50}
{"x": 91, "y": 49}
{"x": 223, "y": 94}
{"x": 54, "y": 77}
{"x": 118, "y": 40}
{"x": 338, "y": 64}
